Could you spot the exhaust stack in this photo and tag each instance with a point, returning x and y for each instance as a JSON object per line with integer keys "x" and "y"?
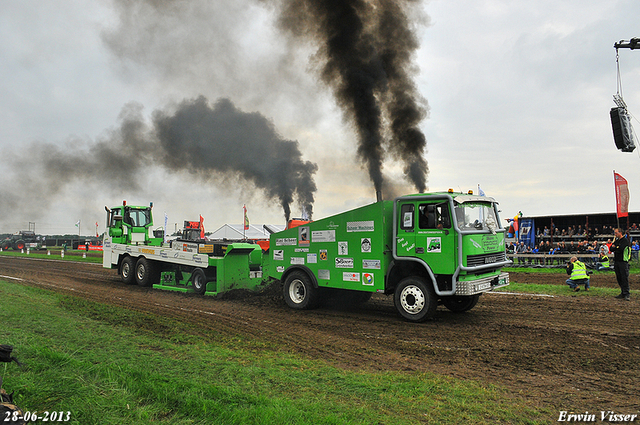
{"x": 378, "y": 195}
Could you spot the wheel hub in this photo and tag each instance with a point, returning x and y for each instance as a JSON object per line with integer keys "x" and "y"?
{"x": 297, "y": 291}
{"x": 412, "y": 299}
{"x": 141, "y": 272}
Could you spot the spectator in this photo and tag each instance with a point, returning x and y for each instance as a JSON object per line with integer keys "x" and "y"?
{"x": 635, "y": 247}
{"x": 608, "y": 244}
{"x": 545, "y": 232}
{"x": 521, "y": 250}
{"x": 603, "y": 262}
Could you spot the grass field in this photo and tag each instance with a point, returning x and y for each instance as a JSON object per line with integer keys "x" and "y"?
{"x": 55, "y": 254}
{"x": 106, "y": 365}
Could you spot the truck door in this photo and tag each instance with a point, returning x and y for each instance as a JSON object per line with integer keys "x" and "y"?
{"x": 406, "y": 237}
{"x": 435, "y": 238}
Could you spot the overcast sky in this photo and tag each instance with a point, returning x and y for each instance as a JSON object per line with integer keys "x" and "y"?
{"x": 519, "y": 95}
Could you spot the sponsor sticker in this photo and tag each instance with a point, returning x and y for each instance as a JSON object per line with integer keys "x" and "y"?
{"x": 367, "y": 279}
{"x": 324, "y": 275}
{"x": 344, "y": 263}
{"x": 301, "y": 250}
{"x": 286, "y": 242}
{"x": 350, "y": 277}
{"x": 371, "y": 264}
{"x": 303, "y": 236}
{"x": 434, "y": 245}
{"x": 360, "y": 226}
{"x": 297, "y": 260}
{"x": 365, "y": 244}
{"x": 323, "y": 255}
{"x": 343, "y": 248}
{"x": 280, "y": 269}
{"x": 323, "y": 236}
{"x": 278, "y": 255}
{"x": 312, "y": 258}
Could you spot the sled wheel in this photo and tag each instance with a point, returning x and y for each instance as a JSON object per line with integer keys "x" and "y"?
{"x": 199, "y": 281}
{"x": 127, "y": 270}
{"x": 145, "y": 272}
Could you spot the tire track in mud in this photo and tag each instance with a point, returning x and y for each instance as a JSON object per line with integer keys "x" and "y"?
{"x": 580, "y": 353}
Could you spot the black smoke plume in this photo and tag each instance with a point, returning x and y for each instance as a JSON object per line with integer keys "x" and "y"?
{"x": 202, "y": 138}
{"x": 365, "y": 51}
{"x": 210, "y": 141}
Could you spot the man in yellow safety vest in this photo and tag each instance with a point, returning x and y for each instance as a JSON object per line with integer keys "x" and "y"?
{"x": 577, "y": 272}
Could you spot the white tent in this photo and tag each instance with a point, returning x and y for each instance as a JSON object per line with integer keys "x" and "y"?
{"x": 236, "y": 231}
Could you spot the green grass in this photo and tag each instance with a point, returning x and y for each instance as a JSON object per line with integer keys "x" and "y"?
{"x": 74, "y": 255}
{"x": 107, "y": 365}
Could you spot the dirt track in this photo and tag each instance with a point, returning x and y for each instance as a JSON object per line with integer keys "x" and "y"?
{"x": 563, "y": 353}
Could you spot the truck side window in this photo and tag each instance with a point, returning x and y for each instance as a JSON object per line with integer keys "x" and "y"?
{"x": 112, "y": 216}
{"x": 434, "y": 216}
{"x": 406, "y": 217}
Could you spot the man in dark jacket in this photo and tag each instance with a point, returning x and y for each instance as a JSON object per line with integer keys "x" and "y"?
{"x": 621, "y": 254}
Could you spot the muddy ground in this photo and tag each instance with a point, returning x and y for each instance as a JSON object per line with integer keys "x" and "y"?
{"x": 573, "y": 353}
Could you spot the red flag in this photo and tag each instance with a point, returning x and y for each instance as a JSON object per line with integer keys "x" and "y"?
{"x": 201, "y": 227}
{"x": 246, "y": 218}
{"x": 622, "y": 195}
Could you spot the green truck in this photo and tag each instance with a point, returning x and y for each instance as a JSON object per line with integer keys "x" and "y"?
{"x": 422, "y": 249}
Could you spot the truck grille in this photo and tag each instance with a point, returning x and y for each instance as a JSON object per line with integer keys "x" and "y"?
{"x": 482, "y": 259}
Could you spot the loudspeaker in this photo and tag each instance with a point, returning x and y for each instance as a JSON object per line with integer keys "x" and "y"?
{"x": 622, "y": 130}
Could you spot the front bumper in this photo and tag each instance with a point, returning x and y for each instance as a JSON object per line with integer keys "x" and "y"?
{"x": 478, "y": 286}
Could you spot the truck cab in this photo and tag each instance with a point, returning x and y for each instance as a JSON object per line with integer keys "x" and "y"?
{"x": 452, "y": 241}
{"x": 131, "y": 225}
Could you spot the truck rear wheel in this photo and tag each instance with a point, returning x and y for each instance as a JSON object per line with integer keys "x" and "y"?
{"x": 460, "y": 304}
{"x": 145, "y": 272}
{"x": 127, "y": 270}
{"x": 414, "y": 299}
{"x": 20, "y": 245}
{"x": 299, "y": 292}
{"x": 199, "y": 281}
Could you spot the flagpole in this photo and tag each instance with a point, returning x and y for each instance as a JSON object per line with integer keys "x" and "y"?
{"x": 615, "y": 188}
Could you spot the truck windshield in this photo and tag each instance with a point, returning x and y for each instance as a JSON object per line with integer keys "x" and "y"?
{"x": 137, "y": 218}
{"x": 476, "y": 215}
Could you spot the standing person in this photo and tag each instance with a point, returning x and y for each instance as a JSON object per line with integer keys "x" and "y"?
{"x": 621, "y": 255}
{"x": 577, "y": 272}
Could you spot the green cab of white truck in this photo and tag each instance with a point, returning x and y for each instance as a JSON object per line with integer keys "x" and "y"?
{"x": 423, "y": 249}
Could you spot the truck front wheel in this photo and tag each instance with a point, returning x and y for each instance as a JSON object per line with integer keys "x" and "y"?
{"x": 127, "y": 270}
{"x": 299, "y": 292}
{"x": 460, "y": 304}
{"x": 414, "y": 299}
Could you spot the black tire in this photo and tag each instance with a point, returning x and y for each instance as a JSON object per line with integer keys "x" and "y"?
{"x": 415, "y": 300}
{"x": 199, "y": 281}
{"x": 19, "y": 245}
{"x": 146, "y": 272}
{"x": 127, "y": 270}
{"x": 6, "y": 246}
{"x": 460, "y": 304}
{"x": 299, "y": 292}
